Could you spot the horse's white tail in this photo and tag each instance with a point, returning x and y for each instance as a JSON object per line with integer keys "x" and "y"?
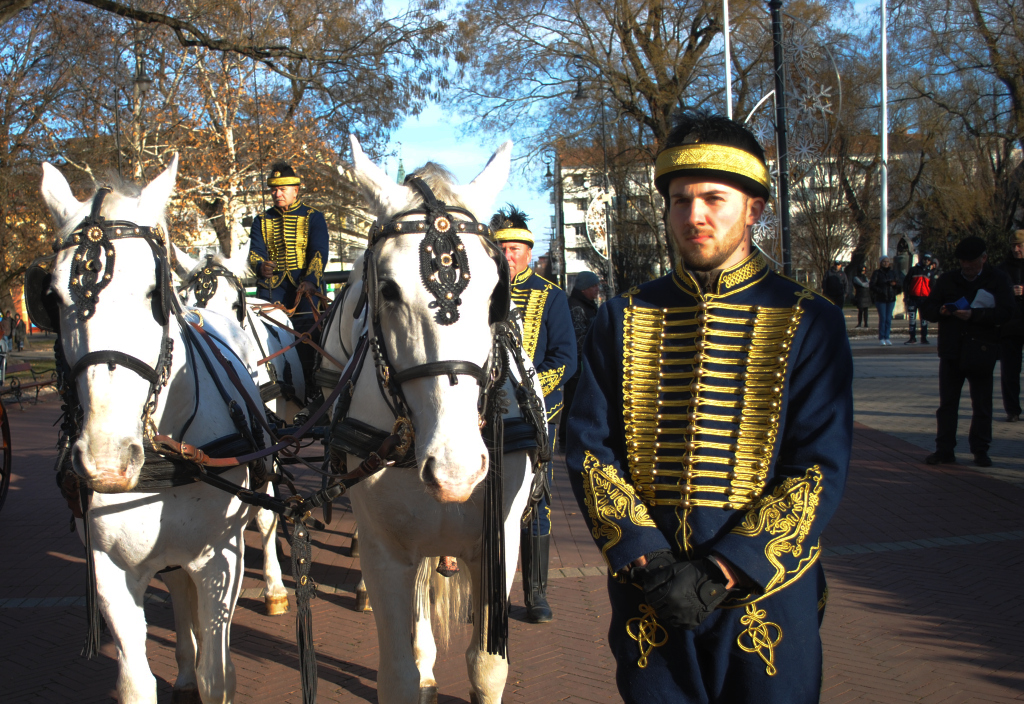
{"x": 451, "y": 598}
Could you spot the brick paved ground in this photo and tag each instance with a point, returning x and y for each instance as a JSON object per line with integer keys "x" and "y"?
{"x": 925, "y": 569}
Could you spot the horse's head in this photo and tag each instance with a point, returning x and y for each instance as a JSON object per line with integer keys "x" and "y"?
{"x": 431, "y": 303}
{"x": 111, "y": 282}
{"x": 215, "y": 282}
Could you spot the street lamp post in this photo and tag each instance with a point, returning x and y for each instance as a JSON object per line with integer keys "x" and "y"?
{"x": 781, "y": 145}
{"x": 141, "y": 84}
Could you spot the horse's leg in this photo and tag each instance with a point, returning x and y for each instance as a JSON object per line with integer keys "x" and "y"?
{"x": 423, "y": 644}
{"x": 120, "y": 600}
{"x": 354, "y": 550}
{"x": 487, "y": 673}
{"x": 186, "y": 688}
{"x": 218, "y": 583}
{"x": 276, "y": 596}
{"x": 392, "y": 583}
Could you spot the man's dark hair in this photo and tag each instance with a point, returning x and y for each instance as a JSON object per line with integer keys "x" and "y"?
{"x": 704, "y": 127}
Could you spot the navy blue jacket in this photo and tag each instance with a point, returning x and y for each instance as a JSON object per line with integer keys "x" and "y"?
{"x": 296, "y": 240}
{"x": 717, "y": 422}
{"x": 548, "y": 335}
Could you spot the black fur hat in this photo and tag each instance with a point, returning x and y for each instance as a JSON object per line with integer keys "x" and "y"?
{"x": 281, "y": 174}
{"x": 509, "y": 225}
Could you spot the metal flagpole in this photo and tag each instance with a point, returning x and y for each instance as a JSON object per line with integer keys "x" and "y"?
{"x": 781, "y": 145}
{"x": 728, "y": 60}
{"x": 884, "y": 130}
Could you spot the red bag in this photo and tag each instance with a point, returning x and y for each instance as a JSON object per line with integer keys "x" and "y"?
{"x": 920, "y": 287}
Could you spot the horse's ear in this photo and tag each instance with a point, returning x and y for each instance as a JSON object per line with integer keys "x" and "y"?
{"x": 58, "y": 196}
{"x": 185, "y": 261}
{"x": 155, "y": 196}
{"x": 384, "y": 195}
{"x": 480, "y": 194}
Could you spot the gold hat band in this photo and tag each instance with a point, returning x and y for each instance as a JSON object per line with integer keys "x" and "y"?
{"x": 284, "y": 181}
{"x": 514, "y": 234}
{"x": 712, "y": 156}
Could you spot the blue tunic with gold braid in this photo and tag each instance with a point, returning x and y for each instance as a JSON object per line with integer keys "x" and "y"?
{"x": 548, "y": 335}
{"x": 717, "y": 422}
{"x": 296, "y": 240}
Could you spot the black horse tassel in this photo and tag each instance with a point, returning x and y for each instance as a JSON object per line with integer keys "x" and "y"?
{"x": 494, "y": 600}
{"x": 305, "y": 590}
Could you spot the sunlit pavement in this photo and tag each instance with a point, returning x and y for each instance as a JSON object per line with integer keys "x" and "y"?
{"x": 925, "y": 568}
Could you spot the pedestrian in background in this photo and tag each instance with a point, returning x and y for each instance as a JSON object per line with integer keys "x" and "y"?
{"x": 884, "y": 285}
{"x": 583, "y": 309}
{"x": 916, "y": 287}
{"x": 836, "y": 287}
{"x": 970, "y": 305}
{"x": 862, "y": 296}
{"x": 1012, "y": 342}
{"x": 19, "y": 332}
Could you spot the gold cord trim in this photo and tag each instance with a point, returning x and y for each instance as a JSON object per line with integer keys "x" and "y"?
{"x": 647, "y": 633}
{"x": 530, "y": 303}
{"x": 761, "y": 637}
{"x": 551, "y": 379}
{"x": 608, "y": 499}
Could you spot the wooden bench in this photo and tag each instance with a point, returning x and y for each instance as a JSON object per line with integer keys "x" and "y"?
{"x": 17, "y": 387}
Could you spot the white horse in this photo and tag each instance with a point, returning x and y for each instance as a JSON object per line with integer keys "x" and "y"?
{"x": 409, "y": 516}
{"x": 285, "y": 369}
{"x": 226, "y": 297}
{"x": 136, "y": 533}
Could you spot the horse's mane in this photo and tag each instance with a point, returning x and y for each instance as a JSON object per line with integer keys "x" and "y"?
{"x": 440, "y": 180}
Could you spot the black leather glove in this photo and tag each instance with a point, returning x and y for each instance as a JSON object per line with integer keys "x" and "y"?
{"x": 682, "y": 593}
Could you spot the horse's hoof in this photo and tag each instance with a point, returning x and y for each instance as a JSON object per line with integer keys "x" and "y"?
{"x": 354, "y": 550}
{"x": 363, "y": 602}
{"x": 186, "y": 695}
{"x": 276, "y": 605}
{"x": 428, "y": 695}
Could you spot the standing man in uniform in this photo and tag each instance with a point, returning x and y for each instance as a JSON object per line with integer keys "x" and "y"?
{"x": 288, "y": 248}
{"x": 549, "y": 340}
{"x": 709, "y": 443}
{"x": 970, "y": 305}
{"x": 916, "y": 287}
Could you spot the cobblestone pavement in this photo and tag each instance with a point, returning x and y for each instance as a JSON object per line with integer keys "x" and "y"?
{"x": 925, "y": 568}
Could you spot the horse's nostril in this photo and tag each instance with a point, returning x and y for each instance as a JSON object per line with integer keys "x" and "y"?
{"x": 429, "y": 472}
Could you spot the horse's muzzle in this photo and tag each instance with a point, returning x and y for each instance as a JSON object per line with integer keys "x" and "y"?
{"x": 113, "y": 468}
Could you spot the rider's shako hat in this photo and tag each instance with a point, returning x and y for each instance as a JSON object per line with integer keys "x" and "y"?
{"x": 509, "y": 225}
{"x": 281, "y": 174}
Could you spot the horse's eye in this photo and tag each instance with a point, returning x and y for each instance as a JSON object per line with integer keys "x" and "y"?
{"x": 390, "y": 292}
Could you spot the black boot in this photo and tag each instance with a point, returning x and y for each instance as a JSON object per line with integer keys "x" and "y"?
{"x": 535, "y": 552}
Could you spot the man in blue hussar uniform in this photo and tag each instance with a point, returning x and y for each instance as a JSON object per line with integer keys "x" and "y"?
{"x": 288, "y": 248}
{"x": 549, "y": 340}
{"x": 708, "y": 445}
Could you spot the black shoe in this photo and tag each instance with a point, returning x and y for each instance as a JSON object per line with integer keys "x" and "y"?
{"x": 535, "y": 550}
{"x": 924, "y": 340}
{"x": 982, "y": 459}
{"x": 1012, "y": 417}
{"x": 911, "y": 341}
{"x": 312, "y": 407}
{"x": 941, "y": 458}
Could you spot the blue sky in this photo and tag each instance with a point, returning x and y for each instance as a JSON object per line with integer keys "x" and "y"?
{"x": 434, "y": 136}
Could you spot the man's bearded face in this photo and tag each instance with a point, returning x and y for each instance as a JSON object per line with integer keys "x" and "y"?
{"x": 711, "y": 222}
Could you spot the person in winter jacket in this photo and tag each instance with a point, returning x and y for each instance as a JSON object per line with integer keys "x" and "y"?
{"x": 970, "y": 304}
{"x": 916, "y": 287}
{"x": 862, "y": 296}
{"x": 583, "y": 308}
{"x": 836, "y": 286}
{"x": 1012, "y": 342}
{"x": 885, "y": 283}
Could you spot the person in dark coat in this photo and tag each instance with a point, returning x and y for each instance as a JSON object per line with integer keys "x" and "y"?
{"x": 583, "y": 308}
{"x": 970, "y": 305}
{"x": 709, "y": 444}
{"x": 836, "y": 286}
{"x": 1012, "y": 343}
{"x": 862, "y": 296}
{"x": 884, "y": 285}
{"x": 916, "y": 287}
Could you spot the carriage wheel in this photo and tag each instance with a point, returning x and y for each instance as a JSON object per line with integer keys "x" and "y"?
{"x": 5, "y": 456}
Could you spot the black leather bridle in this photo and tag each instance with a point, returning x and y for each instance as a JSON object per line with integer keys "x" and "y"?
{"x": 204, "y": 282}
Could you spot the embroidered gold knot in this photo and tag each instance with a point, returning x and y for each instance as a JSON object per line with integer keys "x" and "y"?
{"x": 761, "y": 637}
{"x": 646, "y": 635}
